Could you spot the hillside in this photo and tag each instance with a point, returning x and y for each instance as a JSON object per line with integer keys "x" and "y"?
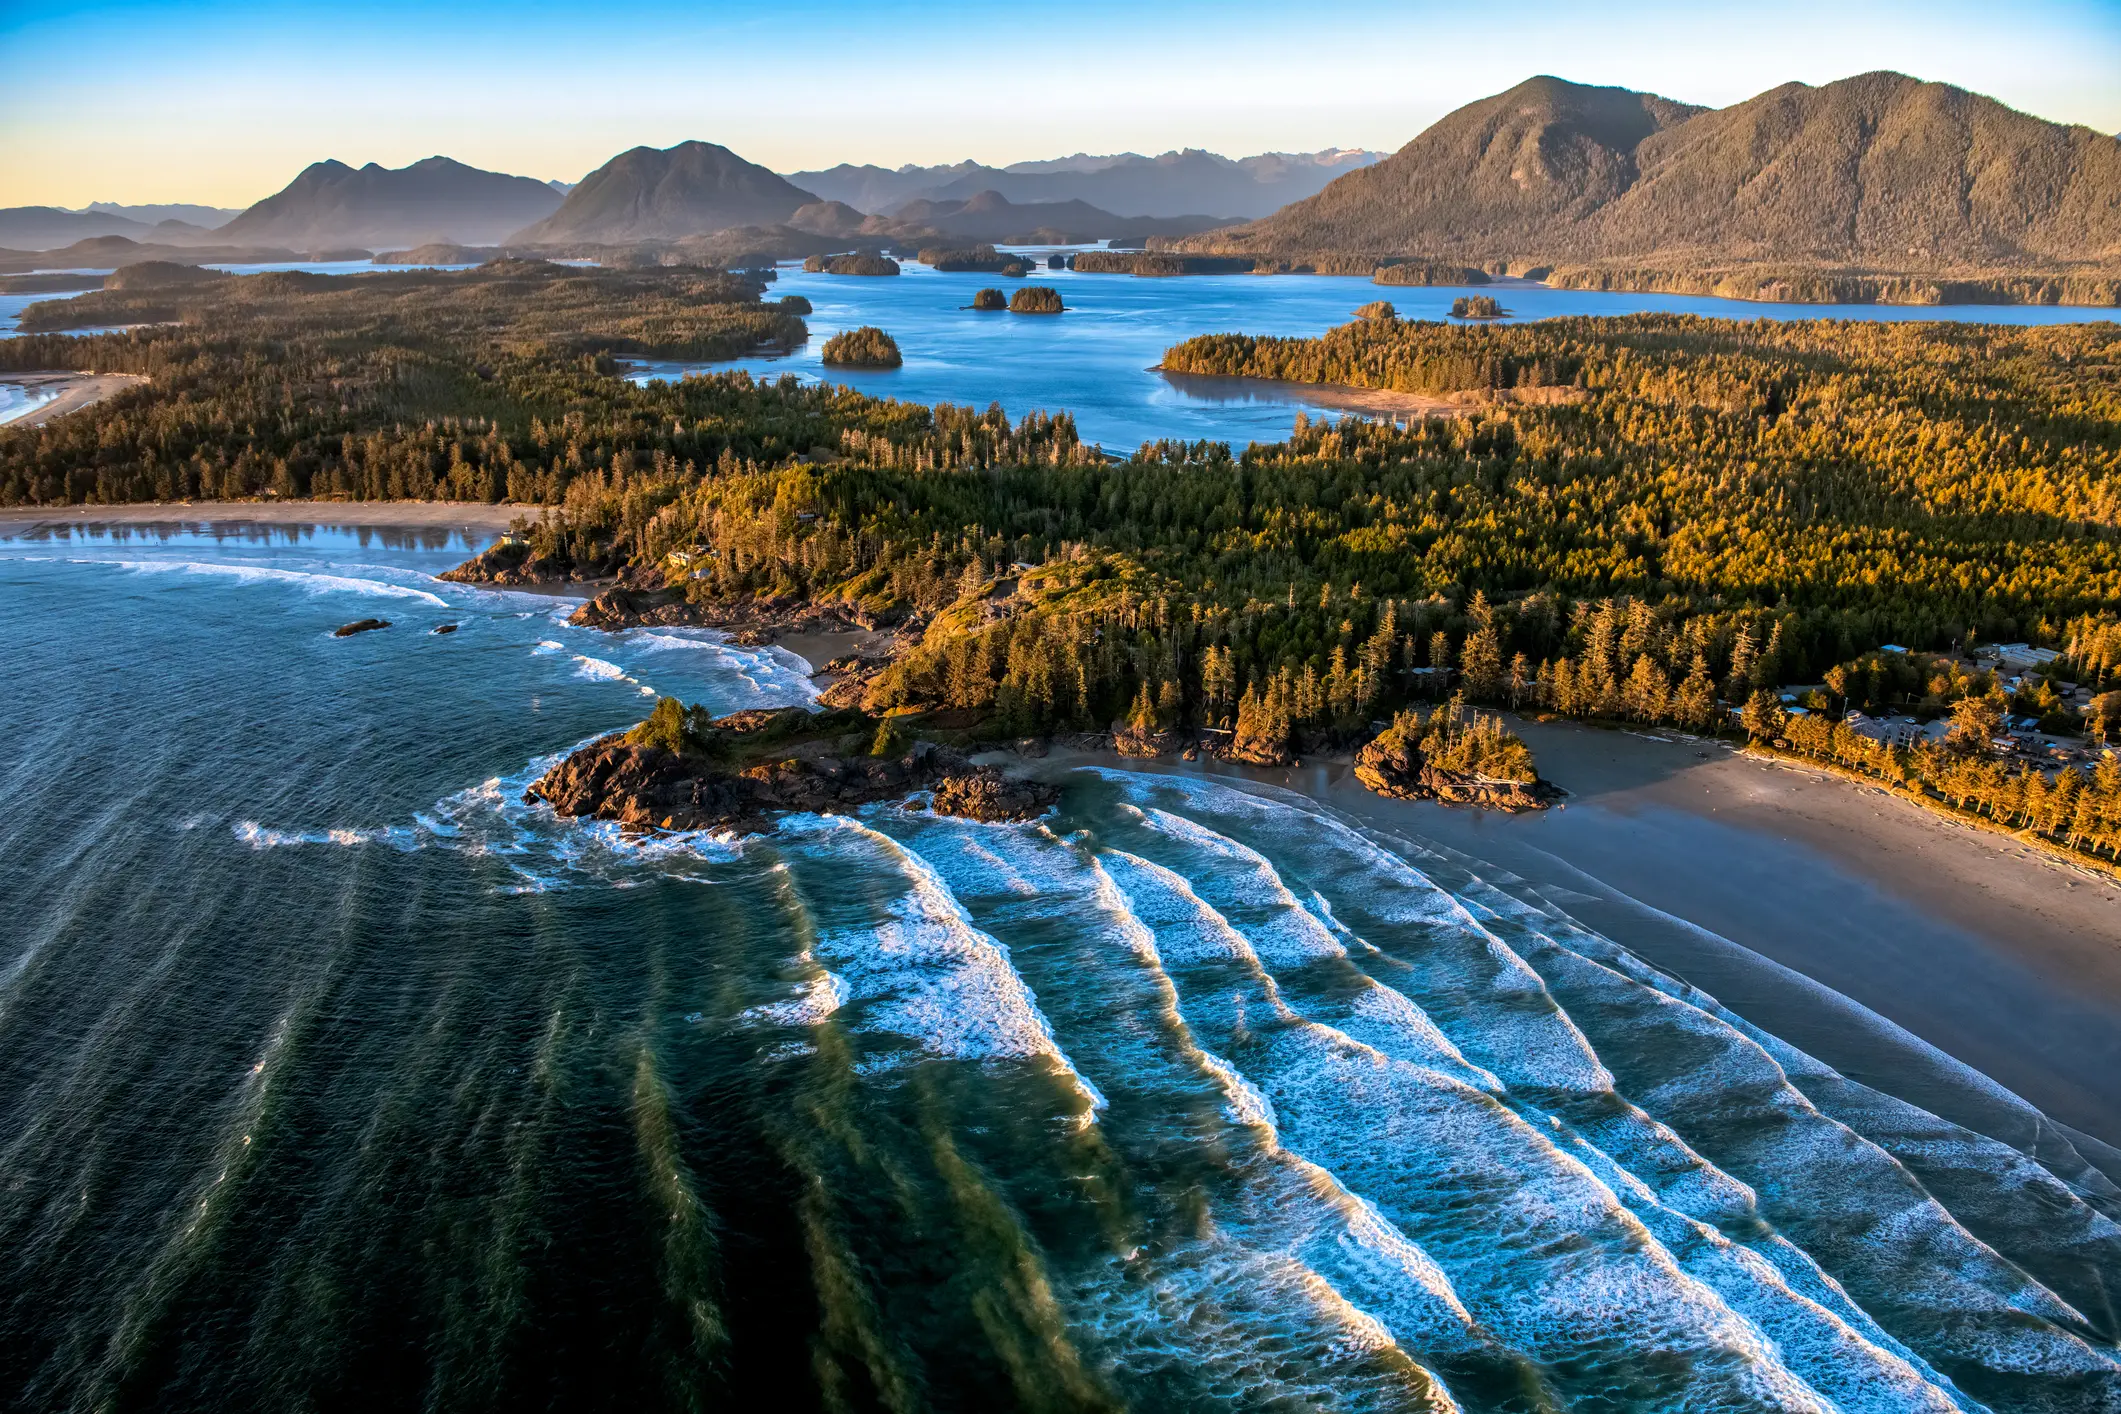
{"x": 1126, "y": 184}
{"x": 432, "y": 200}
{"x": 651, "y": 194}
{"x": 1879, "y": 173}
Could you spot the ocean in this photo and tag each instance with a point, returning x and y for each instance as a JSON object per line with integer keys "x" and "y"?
{"x": 333, "y": 1075}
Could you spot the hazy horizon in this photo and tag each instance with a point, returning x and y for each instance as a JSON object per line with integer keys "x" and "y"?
{"x": 224, "y": 104}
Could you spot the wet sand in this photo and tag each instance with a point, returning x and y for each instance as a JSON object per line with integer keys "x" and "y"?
{"x": 818, "y": 649}
{"x": 1912, "y": 953}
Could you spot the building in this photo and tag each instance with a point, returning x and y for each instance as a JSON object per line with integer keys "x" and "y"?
{"x": 1887, "y": 731}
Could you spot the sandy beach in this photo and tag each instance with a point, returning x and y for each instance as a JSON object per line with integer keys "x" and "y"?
{"x": 76, "y": 391}
{"x": 393, "y": 515}
{"x": 1895, "y": 944}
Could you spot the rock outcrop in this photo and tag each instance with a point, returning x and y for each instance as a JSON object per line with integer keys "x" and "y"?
{"x": 510, "y": 561}
{"x": 1392, "y": 765}
{"x": 359, "y": 626}
{"x": 650, "y": 787}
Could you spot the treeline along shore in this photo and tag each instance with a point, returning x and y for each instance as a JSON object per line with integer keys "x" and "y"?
{"x": 1726, "y": 526}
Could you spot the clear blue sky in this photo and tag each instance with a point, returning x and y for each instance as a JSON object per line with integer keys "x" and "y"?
{"x": 224, "y": 103}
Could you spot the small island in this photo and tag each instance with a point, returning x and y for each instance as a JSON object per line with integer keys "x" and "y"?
{"x": 1036, "y": 299}
{"x": 990, "y": 300}
{"x": 683, "y": 770}
{"x": 866, "y": 347}
{"x": 866, "y": 263}
{"x": 1455, "y": 756}
{"x": 1379, "y": 310}
{"x": 794, "y": 304}
{"x": 983, "y": 258}
{"x": 1477, "y": 307}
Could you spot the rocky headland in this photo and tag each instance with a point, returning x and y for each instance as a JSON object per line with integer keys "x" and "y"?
{"x": 679, "y": 771}
{"x": 722, "y": 773}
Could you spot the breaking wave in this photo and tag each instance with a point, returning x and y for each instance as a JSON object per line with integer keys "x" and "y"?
{"x": 308, "y": 581}
{"x": 1375, "y": 1105}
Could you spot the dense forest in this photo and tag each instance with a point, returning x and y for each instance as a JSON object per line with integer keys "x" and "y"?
{"x": 1716, "y": 510}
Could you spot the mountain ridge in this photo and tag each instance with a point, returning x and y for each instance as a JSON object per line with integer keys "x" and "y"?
{"x": 436, "y": 198}
{"x": 1183, "y": 181}
{"x": 1879, "y": 172}
{"x": 652, "y": 194}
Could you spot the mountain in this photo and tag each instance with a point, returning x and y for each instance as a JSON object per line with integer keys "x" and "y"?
{"x": 1125, "y": 184}
{"x": 651, "y": 194}
{"x": 436, "y": 199}
{"x": 1879, "y": 172}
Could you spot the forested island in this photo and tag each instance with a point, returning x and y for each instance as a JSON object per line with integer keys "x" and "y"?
{"x": 866, "y": 347}
{"x": 867, "y": 263}
{"x": 1745, "y": 527}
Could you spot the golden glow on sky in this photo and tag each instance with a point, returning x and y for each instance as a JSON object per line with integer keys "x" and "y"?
{"x": 224, "y": 104}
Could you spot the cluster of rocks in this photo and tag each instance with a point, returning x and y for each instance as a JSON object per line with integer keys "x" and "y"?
{"x": 509, "y": 561}
{"x": 650, "y": 787}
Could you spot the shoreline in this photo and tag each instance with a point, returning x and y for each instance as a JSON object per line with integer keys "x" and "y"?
{"x": 1345, "y": 397}
{"x": 1956, "y": 968}
{"x": 1961, "y": 968}
{"x": 76, "y": 391}
{"x": 389, "y": 515}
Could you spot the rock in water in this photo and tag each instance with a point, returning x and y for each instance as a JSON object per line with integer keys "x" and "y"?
{"x": 646, "y": 786}
{"x": 984, "y": 793}
{"x": 359, "y": 626}
{"x": 613, "y": 609}
{"x": 443, "y": 628}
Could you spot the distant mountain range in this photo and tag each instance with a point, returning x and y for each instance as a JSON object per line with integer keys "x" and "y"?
{"x": 1126, "y": 184}
{"x": 48, "y": 227}
{"x": 204, "y": 217}
{"x": 1877, "y": 178}
{"x": 1875, "y": 173}
{"x": 988, "y": 217}
{"x": 432, "y": 200}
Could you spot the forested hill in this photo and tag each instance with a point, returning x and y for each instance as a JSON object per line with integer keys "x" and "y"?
{"x": 652, "y": 194}
{"x": 332, "y": 204}
{"x": 1880, "y": 172}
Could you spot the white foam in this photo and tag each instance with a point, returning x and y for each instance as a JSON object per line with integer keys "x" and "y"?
{"x": 814, "y": 1002}
{"x": 924, "y": 972}
{"x": 310, "y": 582}
{"x": 258, "y": 836}
{"x": 774, "y": 675}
